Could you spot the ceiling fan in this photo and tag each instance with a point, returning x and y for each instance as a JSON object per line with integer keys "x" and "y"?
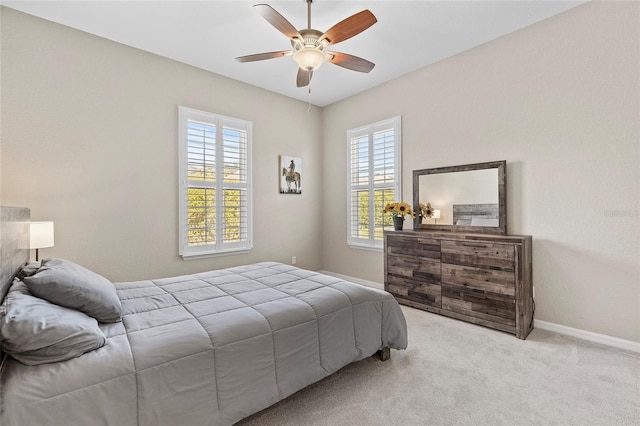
{"x": 309, "y": 45}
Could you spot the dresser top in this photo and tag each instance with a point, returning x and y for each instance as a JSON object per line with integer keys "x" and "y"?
{"x": 445, "y": 235}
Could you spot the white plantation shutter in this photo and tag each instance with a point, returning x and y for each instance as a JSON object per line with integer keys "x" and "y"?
{"x": 201, "y": 180}
{"x": 214, "y": 184}
{"x": 374, "y": 179}
{"x": 235, "y": 196}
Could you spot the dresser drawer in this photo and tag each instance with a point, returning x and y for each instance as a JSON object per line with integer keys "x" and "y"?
{"x": 480, "y": 305}
{"x": 421, "y": 292}
{"x": 419, "y": 268}
{"x": 413, "y": 246}
{"x": 478, "y": 279}
{"x": 479, "y": 254}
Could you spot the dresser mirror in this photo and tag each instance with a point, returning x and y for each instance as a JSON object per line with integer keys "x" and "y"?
{"x": 465, "y": 198}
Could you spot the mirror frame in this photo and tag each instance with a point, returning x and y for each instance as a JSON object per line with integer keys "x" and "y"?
{"x": 501, "y": 229}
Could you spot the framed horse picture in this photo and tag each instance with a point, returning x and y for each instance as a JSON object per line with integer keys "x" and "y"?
{"x": 290, "y": 171}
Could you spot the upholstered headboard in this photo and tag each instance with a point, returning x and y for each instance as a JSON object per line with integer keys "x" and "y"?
{"x": 475, "y": 214}
{"x": 14, "y": 244}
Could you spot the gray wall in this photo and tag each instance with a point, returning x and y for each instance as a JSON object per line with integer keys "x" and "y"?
{"x": 89, "y": 141}
{"x": 559, "y": 101}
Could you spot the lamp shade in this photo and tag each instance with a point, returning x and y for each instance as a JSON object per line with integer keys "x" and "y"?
{"x": 40, "y": 234}
{"x": 436, "y": 214}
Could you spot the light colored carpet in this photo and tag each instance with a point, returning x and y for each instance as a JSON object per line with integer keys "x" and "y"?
{"x": 454, "y": 373}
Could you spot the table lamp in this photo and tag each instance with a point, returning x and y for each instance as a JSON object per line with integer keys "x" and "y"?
{"x": 40, "y": 235}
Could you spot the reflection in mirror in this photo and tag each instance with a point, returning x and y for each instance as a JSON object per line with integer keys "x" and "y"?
{"x": 469, "y": 198}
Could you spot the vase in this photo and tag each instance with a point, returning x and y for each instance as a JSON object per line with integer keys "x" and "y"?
{"x": 397, "y": 222}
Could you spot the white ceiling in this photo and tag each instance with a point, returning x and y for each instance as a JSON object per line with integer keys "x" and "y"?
{"x": 210, "y": 34}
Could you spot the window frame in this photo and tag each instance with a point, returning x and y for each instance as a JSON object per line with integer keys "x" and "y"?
{"x": 219, "y": 247}
{"x": 371, "y": 243}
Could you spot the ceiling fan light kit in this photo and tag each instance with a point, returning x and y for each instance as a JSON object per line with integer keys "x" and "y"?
{"x": 309, "y": 45}
{"x": 309, "y": 58}
{"x": 308, "y": 52}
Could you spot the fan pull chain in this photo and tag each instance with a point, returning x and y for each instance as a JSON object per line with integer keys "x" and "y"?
{"x": 309, "y": 86}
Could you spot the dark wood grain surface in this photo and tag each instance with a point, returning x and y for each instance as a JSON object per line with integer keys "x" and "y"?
{"x": 480, "y": 278}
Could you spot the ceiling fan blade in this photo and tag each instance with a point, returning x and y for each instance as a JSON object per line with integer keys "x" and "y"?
{"x": 347, "y": 28}
{"x": 277, "y": 20}
{"x": 350, "y": 62}
{"x": 304, "y": 77}
{"x": 263, "y": 56}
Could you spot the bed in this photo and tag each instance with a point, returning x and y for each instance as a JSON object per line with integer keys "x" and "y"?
{"x": 207, "y": 348}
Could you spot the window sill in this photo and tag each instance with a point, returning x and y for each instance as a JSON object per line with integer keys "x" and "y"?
{"x": 366, "y": 247}
{"x": 196, "y": 256}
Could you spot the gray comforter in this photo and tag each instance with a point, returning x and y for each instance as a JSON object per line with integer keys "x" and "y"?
{"x": 209, "y": 348}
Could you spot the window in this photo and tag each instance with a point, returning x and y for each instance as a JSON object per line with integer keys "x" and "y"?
{"x": 215, "y": 179}
{"x": 374, "y": 179}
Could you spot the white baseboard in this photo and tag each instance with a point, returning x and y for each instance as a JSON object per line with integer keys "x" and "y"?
{"x": 366, "y": 283}
{"x": 588, "y": 335}
{"x": 542, "y": 325}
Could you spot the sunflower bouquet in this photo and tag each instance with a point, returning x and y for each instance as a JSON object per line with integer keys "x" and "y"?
{"x": 399, "y": 209}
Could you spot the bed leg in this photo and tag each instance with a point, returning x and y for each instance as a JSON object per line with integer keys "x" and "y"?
{"x": 384, "y": 353}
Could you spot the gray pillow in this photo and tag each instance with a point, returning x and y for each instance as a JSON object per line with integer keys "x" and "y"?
{"x": 35, "y": 331}
{"x": 70, "y": 285}
{"x": 29, "y": 269}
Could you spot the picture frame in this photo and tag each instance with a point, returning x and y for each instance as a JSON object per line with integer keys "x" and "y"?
{"x": 290, "y": 172}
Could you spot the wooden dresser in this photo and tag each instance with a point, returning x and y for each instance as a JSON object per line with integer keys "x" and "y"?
{"x": 480, "y": 278}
